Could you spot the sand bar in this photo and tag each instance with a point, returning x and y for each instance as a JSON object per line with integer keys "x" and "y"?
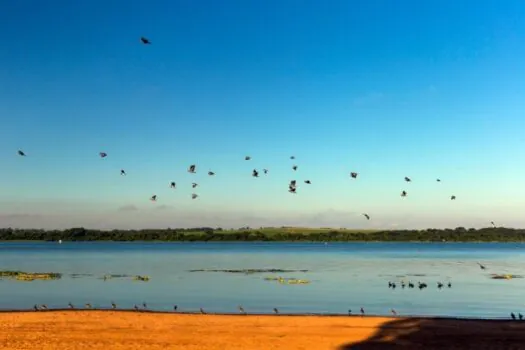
{"x": 68, "y": 330}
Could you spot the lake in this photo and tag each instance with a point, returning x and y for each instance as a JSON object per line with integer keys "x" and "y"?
{"x": 343, "y": 276}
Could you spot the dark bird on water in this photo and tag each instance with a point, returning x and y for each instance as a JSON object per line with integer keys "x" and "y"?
{"x": 512, "y": 315}
{"x": 440, "y": 285}
{"x": 145, "y": 41}
{"x": 404, "y": 194}
{"x": 153, "y": 198}
{"x": 449, "y": 285}
{"x": 407, "y": 179}
{"x": 122, "y": 172}
{"x": 255, "y": 173}
{"x": 307, "y": 182}
{"x": 21, "y": 153}
{"x": 275, "y": 310}
{"x": 211, "y": 173}
{"x": 353, "y": 175}
{"x": 103, "y": 154}
{"x": 452, "y": 198}
{"x": 194, "y": 196}
{"x": 192, "y": 168}
{"x": 194, "y": 184}
{"x": 366, "y": 216}
{"x": 520, "y": 316}
{"x": 173, "y": 184}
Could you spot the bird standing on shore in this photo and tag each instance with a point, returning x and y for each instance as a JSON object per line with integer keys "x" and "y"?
{"x": 362, "y": 312}
{"x": 175, "y": 307}
{"x": 69, "y": 305}
{"x": 88, "y": 306}
{"x": 394, "y": 313}
{"x": 202, "y": 311}
{"x": 241, "y": 310}
{"x": 276, "y": 311}
{"x": 113, "y": 305}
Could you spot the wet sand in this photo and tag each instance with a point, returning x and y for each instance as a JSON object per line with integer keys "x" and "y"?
{"x": 68, "y": 330}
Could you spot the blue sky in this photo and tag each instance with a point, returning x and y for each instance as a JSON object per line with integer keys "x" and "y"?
{"x": 385, "y": 88}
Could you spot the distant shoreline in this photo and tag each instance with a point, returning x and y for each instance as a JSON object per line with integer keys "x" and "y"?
{"x": 270, "y": 234}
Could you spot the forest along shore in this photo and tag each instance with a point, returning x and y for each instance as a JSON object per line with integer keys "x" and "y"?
{"x": 282, "y": 234}
{"x": 142, "y": 330}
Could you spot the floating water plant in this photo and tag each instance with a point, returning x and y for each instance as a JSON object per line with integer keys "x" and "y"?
{"x": 29, "y": 276}
{"x": 141, "y": 278}
{"x": 504, "y": 276}
{"x": 283, "y": 280}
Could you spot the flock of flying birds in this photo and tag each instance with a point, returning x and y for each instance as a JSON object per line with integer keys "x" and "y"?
{"x": 292, "y": 186}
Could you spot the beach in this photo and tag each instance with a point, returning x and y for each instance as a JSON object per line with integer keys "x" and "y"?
{"x": 71, "y": 329}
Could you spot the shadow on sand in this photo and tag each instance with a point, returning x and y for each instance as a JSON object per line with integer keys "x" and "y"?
{"x": 420, "y": 333}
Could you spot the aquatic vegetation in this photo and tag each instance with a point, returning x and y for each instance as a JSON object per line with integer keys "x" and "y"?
{"x": 248, "y": 271}
{"x": 496, "y": 276}
{"x": 110, "y": 276}
{"x": 283, "y": 280}
{"x": 80, "y": 275}
{"x": 30, "y": 276}
{"x": 141, "y": 278}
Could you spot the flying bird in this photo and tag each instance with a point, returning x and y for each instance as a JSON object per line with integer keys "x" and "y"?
{"x": 404, "y": 194}
{"x": 294, "y": 167}
{"x": 407, "y": 179}
{"x": 145, "y": 41}
{"x": 366, "y": 216}
{"x": 103, "y": 154}
{"x": 292, "y": 157}
{"x": 293, "y": 183}
{"x": 452, "y": 198}
{"x": 292, "y": 189}
{"x": 255, "y": 173}
{"x": 438, "y": 180}
{"x": 247, "y": 158}
{"x": 353, "y": 175}
{"x": 211, "y": 173}
{"x": 122, "y": 172}
{"x": 194, "y": 196}
{"x": 307, "y": 182}
{"x": 153, "y": 198}
{"x": 173, "y": 184}
{"x": 265, "y": 171}
{"x": 194, "y": 184}
{"x": 191, "y": 169}
{"x": 21, "y": 153}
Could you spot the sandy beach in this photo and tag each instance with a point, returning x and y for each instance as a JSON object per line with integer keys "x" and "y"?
{"x": 68, "y": 330}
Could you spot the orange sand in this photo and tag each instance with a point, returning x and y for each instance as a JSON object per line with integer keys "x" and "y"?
{"x": 108, "y": 330}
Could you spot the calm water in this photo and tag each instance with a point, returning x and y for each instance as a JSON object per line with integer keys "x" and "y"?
{"x": 343, "y": 276}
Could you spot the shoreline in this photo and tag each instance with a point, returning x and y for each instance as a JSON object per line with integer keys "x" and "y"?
{"x": 148, "y": 330}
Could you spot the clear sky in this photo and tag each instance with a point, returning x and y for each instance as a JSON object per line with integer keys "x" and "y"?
{"x": 388, "y": 89}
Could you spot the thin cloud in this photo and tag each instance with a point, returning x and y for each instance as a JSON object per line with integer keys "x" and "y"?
{"x": 129, "y": 207}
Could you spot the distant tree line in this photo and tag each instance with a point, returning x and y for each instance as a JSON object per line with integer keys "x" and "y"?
{"x": 459, "y": 234}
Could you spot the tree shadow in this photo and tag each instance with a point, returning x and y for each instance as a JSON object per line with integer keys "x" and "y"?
{"x": 434, "y": 333}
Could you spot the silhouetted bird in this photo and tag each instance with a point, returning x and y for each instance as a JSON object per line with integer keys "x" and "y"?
{"x": 520, "y": 316}
{"x": 362, "y": 312}
{"x": 493, "y": 224}
{"x": 449, "y": 285}
{"x": 404, "y": 194}
{"x": 69, "y": 305}
{"x": 403, "y": 284}
{"x": 481, "y": 266}
{"x": 247, "y": 158}
{"x": 136, "y": 307}
{"x": 452, "y": 198}
{"x": 88, "y": 306}
{"x": 21, "y": 153}
{"x": 173, "y": 184}
{"x": 275, "y": 310}
{"x": 194, "y": 184}
{"x": 265, "y": 171}
{"x": 103, "y": 154}
{"x": 349, "y": 312}
{"x": 194, "y": 196}
{"x": 35, "y": 307}
{"x": 389, "y": 284}
{"x": 153, "y": 198}
{"x": 353, "y": 175}
{"x": 211, "y": 173}
{"x": 113, "y": 305}
{"x": 440, "y": 285}
{"x": 292, "y": 157}
{"x": 512, "y": 315}
{"x": 175, "y": 307}
{"x": 145, "y": 41}
{"x": 43, "y": 307}
{"x": 122, "y": 172}
{"x": 393, "y": 285}
{"x": 292, "y": 189}
{"x": 438, "y": 180}
{"x": 255, "y": 173}
{"x": 144, "y": 305}
{"x": 192, "y": 168}
{"x": 410, "y": 285}
{"x": 294, "y": 167}
{"x": 393, "y": 312}
{"x": 407, "y": 179}
{"x": 241, "y": 310}
{"x": 202, "y": 311}
{"x": 366, "y": 216}
{"x": 307, "y": 182}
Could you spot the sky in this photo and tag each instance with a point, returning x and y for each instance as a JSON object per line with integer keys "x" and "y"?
{"x": 388, "y": 89}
